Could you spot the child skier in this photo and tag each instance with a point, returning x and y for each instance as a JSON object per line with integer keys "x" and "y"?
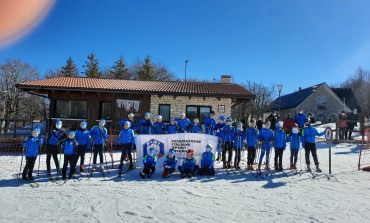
{"x": 145, "y": 125}
{"x": 172, "y": 127}
{"x": 279, "y": 145}
{"x": 228, "y": 137}
{"x": 195, "y": 127}
{"x": 188, "y": 167}
{"x": 309, "y": 143}
{"x": 252, "y": 140}
{"x": 207, "y": 161}
{"x": 265, "y": 137}
{"x": 210, "y": 123}
{"x": 125, "y": 142}
{"x": 239, "y": 139}
{"x": 55, "y": 138}
{"x": 219, "y": 133}
{"x": 169, "y": 163}
{"x": 84, "y": 143}
{"x": 99, "y": 135}
{"x": 295, "y": 140}
{"x": 70, "y": 155}
{"x": 183, "y": 123}
{"x": 149, "y": 161}
{"x": 31, "y": 146}
{"x": 159, "y": 126}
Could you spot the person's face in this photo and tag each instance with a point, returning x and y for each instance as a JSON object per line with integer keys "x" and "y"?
{"x": 171, "y": 155}
{"x": 267, "y": 126}
{"x": 220, "y": 121}
{"x": 159, "y": 120}
{"x": 211, "y": 115}
{"x": 182, "y": 116}
{"x": 71, "y": 136}
{"x": 146, "y": 117}
{"x": 101, "y": 124}
{"x": 83, "y": 125}
{"x": 189, "y": 156}
{"x": 130, "y": 118}
{"x": 58, "y": 125}
{"x": 253, "y": 124}
{"x": 35, "y": 133}
{"x": 172, "y": 122}
{"x": 126, "y": 126}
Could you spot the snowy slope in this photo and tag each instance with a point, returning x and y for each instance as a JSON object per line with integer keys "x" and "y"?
{"x": 222, "y": 198}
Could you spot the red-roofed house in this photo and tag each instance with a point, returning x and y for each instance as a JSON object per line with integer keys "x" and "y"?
{"x": 75, "y": 99}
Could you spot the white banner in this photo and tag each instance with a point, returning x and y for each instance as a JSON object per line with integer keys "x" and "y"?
{"x": 180, "y": 142}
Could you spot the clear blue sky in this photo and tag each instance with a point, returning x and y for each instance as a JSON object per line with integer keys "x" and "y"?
{"x": 294, "y": 43}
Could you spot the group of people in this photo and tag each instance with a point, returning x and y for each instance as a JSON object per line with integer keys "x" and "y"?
{"x": 346, "y": 124}
{"x": 231, "y": 140}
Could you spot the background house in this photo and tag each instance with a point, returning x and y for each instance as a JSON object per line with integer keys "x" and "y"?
{"x": 325, "y": 102}
{"x": 75, "y": 99}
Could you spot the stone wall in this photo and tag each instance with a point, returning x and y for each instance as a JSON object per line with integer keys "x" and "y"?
{"x": 179, "y": 103}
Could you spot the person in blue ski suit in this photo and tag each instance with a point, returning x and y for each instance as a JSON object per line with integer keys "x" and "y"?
{"x": 149, "y": 161}
{"x": 252, "y": 134}
{"x": 82, "y": 136}
{"x": 309, "y": 143}
{"x": 31, "y": 147}
{"x": 300, "y": 119}
{"x": 206, "y": 162}
{"x": 279, "y": 145}
{"x": 99, "y": 135}
{"x": 159, "y": 127}
{"x": 220, "y": 135}
{"x": 70, "y": 155}
{"x": 133, "y": 123}
{"x": 125, "y": 142}
{"x": 239, "y": 139}
{"x": 55, "y": 138}
{"x": 169, "y": 163}
{"x": 145, "y": 125}
{"x": 196, "y": 127}
{"x": 183, "y": 123}
{"x": 266, "y": 137}
{"x": 188, "y": 167}
{"x": 228, "y": 138}
{"x": 295, "y": 141}
{"x": 172, "y": 127}
{"x": 210, "y": 123}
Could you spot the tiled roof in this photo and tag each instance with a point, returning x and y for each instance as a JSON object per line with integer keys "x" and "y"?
{"x": 135, "y": 86}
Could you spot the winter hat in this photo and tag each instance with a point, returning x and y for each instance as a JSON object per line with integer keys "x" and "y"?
{"x": 58, "y": 122}
{"x": 151, "y": 151}
{"x": 71, "y": 133}
{"x": 229, "y": 119}
{"x": 182, "y": 113}
{"x": 102, "y": 121}
{"x": 196, "y": 120}
{"x": 172, "y": 119}
{"x": 212, "y": 113}
{"x": 239, "y": 124}
{"x": 222, "y": 117}
{"x": 172, "y": 151}
{"x": 127, "y": 123}
{"x": 159, "y": 117}
{"x": 147, "y": 114}
{"x": 36, "y": 129}
{"x": 191, "y": 152}
{"x": 130, "y": 115}
{"x": 288, "y": 115}
{"x": 209, "y": 146}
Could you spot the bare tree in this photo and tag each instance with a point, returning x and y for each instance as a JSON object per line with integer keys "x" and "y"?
{"x": 54, "y": 73}
{"x": 149, "y": 71}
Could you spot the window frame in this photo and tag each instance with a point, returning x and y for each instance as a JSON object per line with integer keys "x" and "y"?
{"x": 101, "y": 110}
{"x": 69, "y": 116}
{"x": 169, "y": 112}
{"x": 198, "y": 112}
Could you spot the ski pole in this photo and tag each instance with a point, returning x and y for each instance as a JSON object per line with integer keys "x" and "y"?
{"x": 105, "y": 157}
{"x": 60, "y": 159}
{"x": 20, "y": 168}
{"x": 38, "y": 169}
{"x": 91, "y": 154}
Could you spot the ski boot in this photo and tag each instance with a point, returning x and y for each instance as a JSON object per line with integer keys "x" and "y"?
{"x": 308, "y": 168}
{"x": 318, "y": 169}
{"x": 120, "y": 172}
{"x": 237, "y": 166}
{"x": 81, "y": 168}
{"x": 183, "y": 175}
{"x": 228, "y": 165}
{"x": 149, "y": 175}
{"x": 49, "y": 173}
{"x": 131, "y": 166}
{"x": 259, "y": 167}
{"x": 276, "y": 168}
{"x": 294, "y": 166}
{"x": 64, "y": 174}
{"x": 142, "y": 175}
{"x": 280, "y": 168}
{"x": 24, "y": 177}
{"x": 267, "y": 167}
{"x": 166, "y": 173}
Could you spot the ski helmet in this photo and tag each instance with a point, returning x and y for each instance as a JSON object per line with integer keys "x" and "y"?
{"x": 229, "y": 119}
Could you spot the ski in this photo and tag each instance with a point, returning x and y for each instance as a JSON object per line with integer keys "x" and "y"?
{"x": 34, "y": 185}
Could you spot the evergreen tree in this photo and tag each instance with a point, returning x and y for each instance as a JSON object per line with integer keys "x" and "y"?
{"x": 70, "y": 70}
{"x": 120, "y": 71}
{"x": 92, "y": 67}
{"x": 146, "y": 71}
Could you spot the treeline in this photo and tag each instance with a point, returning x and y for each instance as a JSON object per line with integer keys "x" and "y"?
{"x": 140, "y": 70}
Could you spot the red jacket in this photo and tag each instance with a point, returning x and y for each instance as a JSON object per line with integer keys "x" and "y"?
{"x": 288, "y": 124}
{"x": 342, "y": 122}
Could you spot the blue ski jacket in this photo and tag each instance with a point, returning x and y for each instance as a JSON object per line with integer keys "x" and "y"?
{"x": 228, "y": 133}
{"x": 150, "y": 160}
{"x": 83, "y": 137}
{"x": 252, "y": 137}
{"x": 145, "y": 126}
{"x": 209, "y": 125}
{"x": 309, "y": 135}
{"x": 99, "y": 135}
{"x": 171, "y": 129}
{"x": 70, "y": 147}
{"x": 159, "y": 128}
{"x": 188, "y": 164}
{"x": 172, "y": 162}
{"x": 133, "y": 124}
{"x": 300, "y": 119}
{"x": 295, "y": 140}
{"x": 266, "y": 136}
{"x": 207, "y": 160}
{"x": 196, "y": 128}
{"x": 32, "y": 144}
{"x": 126, "y": 136}
{"x": 183, "y": 124}
{"x": 279, "y": 138}
{"x": 239, "y": 139}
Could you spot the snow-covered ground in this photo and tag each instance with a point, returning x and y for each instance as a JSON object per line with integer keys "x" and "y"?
{"x": 226, "y": 197}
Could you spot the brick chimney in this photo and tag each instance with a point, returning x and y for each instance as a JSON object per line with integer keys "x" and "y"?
{"x": 225, "y": 78}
